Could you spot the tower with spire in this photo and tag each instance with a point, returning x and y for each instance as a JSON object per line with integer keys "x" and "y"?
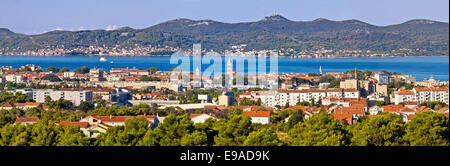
{"x": 320, "y": 70}
{"x": 197, "y": 71}
{"x": 230, "y": 71}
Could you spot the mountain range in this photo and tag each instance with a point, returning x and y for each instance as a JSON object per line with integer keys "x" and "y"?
{"x": 427, "y": 37}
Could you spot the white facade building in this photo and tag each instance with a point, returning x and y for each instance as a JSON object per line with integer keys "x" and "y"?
{"x": 382, "y": 78}
{"x": 421, "y": 95}
{"x": 308, "y": 95}
{"x": 76, "y": 97}
{"x": 200, "y": 118}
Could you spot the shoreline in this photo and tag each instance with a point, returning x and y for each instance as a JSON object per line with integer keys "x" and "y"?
{"x": 221, "y": 56}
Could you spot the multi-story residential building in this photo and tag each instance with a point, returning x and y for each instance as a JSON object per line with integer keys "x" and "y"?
{"x": 421, "y": 95}
{"x": 68, "y": 74}
{"x": 381, "y": 89}
{"x": 403, "y": 96}
{"x": 431, "y": 94}
{"x": 76, "y": 97}
{"x": 15, "y": 78}
{"x": 96, "y": 74}
{"x": 308, "y": 95}
{"x": 268, "y": 98}
{"x": 226, "y": 99}
{"x": 367, "y": 87}
{"x": 349, "y": 84}
{"x": 382, "y": 78}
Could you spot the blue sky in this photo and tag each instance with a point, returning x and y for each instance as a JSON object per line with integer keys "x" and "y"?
{"x": 34, "y": 17}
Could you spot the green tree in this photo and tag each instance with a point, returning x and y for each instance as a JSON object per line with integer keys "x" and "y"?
{"x": 263, "y": 137}
{"x": 51, "y": 78}
{"x": 82, "y": 70}
{"x": 153, "y": 70}
{"x": 320, "y": 130}
{"x": 86, "y": 106}
{"x": 43, "y": 134}
{"x": 25, "y": 69}
{"x": 128, "y": 135}
{"x": 197, "y": 138}
{"x": 71, "y": 136}
{"x": 62, "y": 70}
{"x": 295, "y": 118}
{"x": 233, "y": 132}
{"x": 52, "y": 69}
{"x": 334, "y": 84}
{"x": 170, "y": 132}
{"x": 386, "y": 130}
{"x": 326, "y": 78}
{"x": 147, "y": 78}
{"x": 428, "y": 129}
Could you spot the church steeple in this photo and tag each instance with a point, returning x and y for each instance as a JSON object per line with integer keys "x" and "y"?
{"x": 197, "y": 71}
{"x": 230, "y": 72}
{"x": 229, "y": 67}
{"x": 320, "y": 70}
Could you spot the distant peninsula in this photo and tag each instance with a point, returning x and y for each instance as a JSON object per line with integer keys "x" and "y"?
{"x": 317, "y": 38}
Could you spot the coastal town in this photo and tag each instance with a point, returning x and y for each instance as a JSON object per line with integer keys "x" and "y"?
{"x": 347, "y": 96}
{"x": 150, "y": 50}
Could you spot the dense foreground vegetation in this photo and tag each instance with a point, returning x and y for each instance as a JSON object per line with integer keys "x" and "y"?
{"x": 425, "y": 129}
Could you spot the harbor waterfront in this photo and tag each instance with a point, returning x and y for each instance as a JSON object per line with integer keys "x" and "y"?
{"x": 420, "y": 67}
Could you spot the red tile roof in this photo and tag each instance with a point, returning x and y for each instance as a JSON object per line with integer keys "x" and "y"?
{"x": 431, "y": 89}
{"x": 443, "y": 109}
{"x": 343, "y": 116}
{"x": 405, "y": 92}
{"x": 7, "y": 105}
{"x": 411, "y": 103}
{"x": 112, "y": 118}
{"x": 32, "y": 104}
{"x": 68, "y": 123}
{"x": 27, "y": 119}
{"x": 257, "y": 113}
{"x": 392, "y": 108}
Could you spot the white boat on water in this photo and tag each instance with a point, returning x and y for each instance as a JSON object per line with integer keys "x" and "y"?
{"x": 103, "y": 59}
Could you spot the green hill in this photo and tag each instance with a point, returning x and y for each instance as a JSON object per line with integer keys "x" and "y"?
{"x": 274, "y": 32}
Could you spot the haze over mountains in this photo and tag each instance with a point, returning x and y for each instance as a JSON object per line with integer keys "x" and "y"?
{"x": 273, "y": 32}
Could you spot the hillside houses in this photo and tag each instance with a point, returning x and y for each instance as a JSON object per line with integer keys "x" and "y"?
{"x": 27, "y": 105}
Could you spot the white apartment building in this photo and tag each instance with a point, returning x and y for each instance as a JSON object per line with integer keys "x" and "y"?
{"x": 382, "y": 78}
{"x": 76, "y": 97}
{"x": 268, "y": 98}
{"x": 431, "y": 94}
{"x": 422, "y": 95}
{"x": 403, "y": 96}
{"x": 294, "y": 96}
{"x": 15, "y": 78}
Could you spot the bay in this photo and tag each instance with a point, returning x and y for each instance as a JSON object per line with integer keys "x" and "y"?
{"x": 420, "y": 67}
